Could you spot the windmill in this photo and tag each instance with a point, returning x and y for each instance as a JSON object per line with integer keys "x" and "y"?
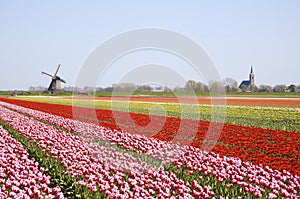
{"x": 55, "y": 84}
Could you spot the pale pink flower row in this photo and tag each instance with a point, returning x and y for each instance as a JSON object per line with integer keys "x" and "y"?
{"x": 20, "y": 177}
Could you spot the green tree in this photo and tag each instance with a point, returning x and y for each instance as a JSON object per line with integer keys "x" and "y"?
{"x": 292, "y": 87}
{"x": 230, "y": 84}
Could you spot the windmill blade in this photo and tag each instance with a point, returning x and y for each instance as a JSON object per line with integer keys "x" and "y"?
{"x": 63, "y": 81}
{"x": 52, "y": 85}
{"x": 57, "y": 70}
{"x": 47, "y": 74}
{"x": 60, "y": 79}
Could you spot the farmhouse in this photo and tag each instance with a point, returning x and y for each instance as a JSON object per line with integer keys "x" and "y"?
{"x": 247, "y": 84}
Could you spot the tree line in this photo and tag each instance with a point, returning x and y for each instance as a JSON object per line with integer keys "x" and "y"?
{"x": 227, "y": 85}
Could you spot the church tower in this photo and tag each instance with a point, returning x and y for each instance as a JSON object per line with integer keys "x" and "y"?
{"x": 251, "y": 76}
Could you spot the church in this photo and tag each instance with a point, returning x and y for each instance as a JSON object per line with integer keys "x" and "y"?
{"x": 246, "y": 84}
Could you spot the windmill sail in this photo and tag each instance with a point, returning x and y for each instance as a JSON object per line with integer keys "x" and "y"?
{"x": 55, "y": 74}
{"x": 47, "y": 74}
{"x": 52, "y": 85}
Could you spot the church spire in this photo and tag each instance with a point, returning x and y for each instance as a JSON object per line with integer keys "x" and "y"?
{"x": 251, "y": 76}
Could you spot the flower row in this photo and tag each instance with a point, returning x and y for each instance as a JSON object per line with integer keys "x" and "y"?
{"x": 20, "y": 176}
{"x": 257, "y": 180}
{"x": 93, "y": 165}
{"x": 276, "y": 149}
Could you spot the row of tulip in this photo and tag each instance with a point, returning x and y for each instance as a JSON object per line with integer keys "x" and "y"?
{"x": 277, "y": 118}
{"x": 264, "y": 117}
{"x": 233, "y": 101}
{"x": 94, "y": 169}
{"x": 20, "y": 176}
{"x": 227, "y": 172}
{"x": 278, "y": 149}
{"x": 236, "y": 101}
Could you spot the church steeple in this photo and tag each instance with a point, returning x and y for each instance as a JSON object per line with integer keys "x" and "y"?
{"x": 251, "y": 76}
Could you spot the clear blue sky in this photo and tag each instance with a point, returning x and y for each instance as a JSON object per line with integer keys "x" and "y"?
{"x": 37, "y": 35}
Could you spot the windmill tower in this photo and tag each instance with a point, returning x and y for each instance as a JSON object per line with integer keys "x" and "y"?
{"x": 55, "y": 84}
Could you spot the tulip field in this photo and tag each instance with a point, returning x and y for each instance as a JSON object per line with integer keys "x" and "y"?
{"x": 48, "y": 152}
